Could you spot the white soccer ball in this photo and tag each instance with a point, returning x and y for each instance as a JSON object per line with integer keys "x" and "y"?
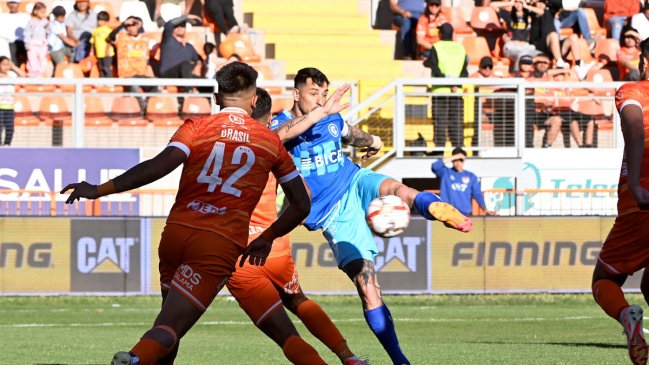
{"x": 388, "y": 216}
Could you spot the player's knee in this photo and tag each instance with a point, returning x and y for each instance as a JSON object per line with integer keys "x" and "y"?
{"x": 292, "y": 301}
{"x": 164, "y": 335}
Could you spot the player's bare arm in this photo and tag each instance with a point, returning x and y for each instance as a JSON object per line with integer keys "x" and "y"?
{"x": 357, "y": 138}
{"x": 139, "y": 175}
{"x": 633, "y": 131}
{"x": 299, "y": 208}
{"x": 297, "y": 126}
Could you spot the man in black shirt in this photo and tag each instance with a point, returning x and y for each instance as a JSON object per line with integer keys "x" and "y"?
{"x": 178, "y": 58}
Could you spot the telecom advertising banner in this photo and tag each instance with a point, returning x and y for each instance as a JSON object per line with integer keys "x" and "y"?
{"x": 548, "y": 254}
{"x": 30, "y": 179}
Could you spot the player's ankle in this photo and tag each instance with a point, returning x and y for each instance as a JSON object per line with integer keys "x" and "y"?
{"x": 423, "y": 200}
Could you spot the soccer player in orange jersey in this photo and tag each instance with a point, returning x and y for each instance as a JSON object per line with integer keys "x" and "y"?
{"x": 626, "y": 249}
{"x": 264, "y": 291}
{"x": 227, "y": 158}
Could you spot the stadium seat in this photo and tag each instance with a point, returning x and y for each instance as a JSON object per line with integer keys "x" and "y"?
{"x": 48, "y": 88}
{"x": 26, "y": 6}
{"x": 170, "y": 11}
{"x": 107, "y": 6}
{"x": 55, "y": 108}
{"x": 94, "y": 112}
{"x": 138, "y": 9}
{"x": 68, "y": 5}
{"x": 265, "y": 73}
{"x": 476, "y": 48}
{"x": 163, "y": 111}
{"x": 24, "y": 115}
{"x": 457, "y": 20}
{"x": 126, "y": 111}
{"x": 485, "y": 18}
{"x": 70, "y": 71}
{"x": 108, "y": 89}
{"x": 593, "y": 23}
{"x": 241, "y": 45}
{"x": 194, "y": 107}
{"x": 196, "y": 39}
{"x": 606, "y": 50}
{"x": 585, "y": 52}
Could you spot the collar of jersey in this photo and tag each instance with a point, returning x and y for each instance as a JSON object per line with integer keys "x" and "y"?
{"x": 233, "y": 109}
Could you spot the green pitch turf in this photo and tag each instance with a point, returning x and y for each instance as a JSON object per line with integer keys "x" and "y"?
{"x": 489, "y": 329}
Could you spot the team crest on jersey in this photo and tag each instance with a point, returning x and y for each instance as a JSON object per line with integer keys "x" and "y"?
{"x": 333, "y": 129}
{"x": 236, "y": 119}
{"x": 466, "y": 179}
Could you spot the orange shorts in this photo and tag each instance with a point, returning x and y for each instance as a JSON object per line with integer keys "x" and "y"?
{"x": 257, "y": 288}
{"x": 196, "y": 262}
{"x": 626, "y": 249}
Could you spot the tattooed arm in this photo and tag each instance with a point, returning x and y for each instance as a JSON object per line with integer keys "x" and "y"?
{"x": 297, "y": 126}
{"x": 353, "y": 136}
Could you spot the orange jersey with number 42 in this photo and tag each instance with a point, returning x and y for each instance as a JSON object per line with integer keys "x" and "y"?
{"x": 229, "y": 157}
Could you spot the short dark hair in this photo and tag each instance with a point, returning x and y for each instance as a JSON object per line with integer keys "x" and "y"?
{"x": 312, "y": 73}
{"x": 2, "y": 58}
{"x": 208, "y": 48}
{"x": 457, "y": 150}
{"x": 235, "y": 77}
{"x": 644, "y": 53}
{"x": 103, "y": 15}
{"x": 58, "y": 11}
{"x": 263, "y": 105}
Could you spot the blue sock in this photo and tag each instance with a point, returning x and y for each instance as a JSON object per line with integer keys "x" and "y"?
{"x": 423, "y": 200}
{"x": 380, "y": 322}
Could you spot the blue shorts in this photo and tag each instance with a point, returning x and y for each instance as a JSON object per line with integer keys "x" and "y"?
{"x": 345, "y": 228}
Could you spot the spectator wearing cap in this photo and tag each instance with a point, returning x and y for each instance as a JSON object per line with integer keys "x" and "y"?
{"x": 80, "y": 23}
{"x": 12, "y": 33}
{"x": 406, "y": 15}
{"x": 447, "y": 59}
{"x": 628, "y": 57}
{"x": 428, "y": 24}
{"x": 524, "y": 67}
{"x": 616, "y": 13}
{"x": 60, "y": 45}
{"x": 458, "y": 186}
{"x": 640, "y": 22}
{"x": 178, "y": 58}
{"x": 516, "y": 41}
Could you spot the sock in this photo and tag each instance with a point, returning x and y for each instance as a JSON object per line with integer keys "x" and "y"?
{"x": 321, "y": 326}
{"x": 380, "y": 322}
{"x": 151, "y": 346}
{"x": 423, "y": 201}
{"x": 300, "y": 352}
{"x": 610, "y": 297}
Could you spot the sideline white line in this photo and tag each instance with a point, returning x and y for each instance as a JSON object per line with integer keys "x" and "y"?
{"x": 221, "y": 323}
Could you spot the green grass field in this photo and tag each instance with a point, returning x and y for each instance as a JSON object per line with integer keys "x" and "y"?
{"x": 487, "y": 329}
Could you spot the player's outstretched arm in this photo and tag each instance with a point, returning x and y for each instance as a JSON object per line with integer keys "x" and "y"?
{"x": 633, "y": 132}
{"x": 357, "y": 138}
{"x": 299, "y": 199}
{"x": 139, "y": 175}
{"x": 297, "y": 126}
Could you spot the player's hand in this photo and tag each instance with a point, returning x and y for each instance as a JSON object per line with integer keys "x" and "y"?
{"x": 332, "y": 105}
{"x": 81, "y": 190}
{"x": 641, "y": 196}
{"x": 258, "y": 251}
{"x": 373, "y": 149}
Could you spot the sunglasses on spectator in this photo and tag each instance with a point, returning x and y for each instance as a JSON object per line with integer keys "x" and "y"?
{"x": 489, "y": 67}
{"x": 434, "y": 5}
{"x": 629, "y": 36}
{"x": 542, "y": 63}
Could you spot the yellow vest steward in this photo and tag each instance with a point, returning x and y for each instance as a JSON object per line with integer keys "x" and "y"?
{"x": 450, "y": 58}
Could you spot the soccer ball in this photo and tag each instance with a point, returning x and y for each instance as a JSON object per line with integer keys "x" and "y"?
{"x": 388, "y": 216}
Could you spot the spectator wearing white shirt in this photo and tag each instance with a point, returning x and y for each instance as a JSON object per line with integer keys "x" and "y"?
{"x": 640, "y": 22}
{"x": 60, "y": 45}
{"x": 12, "y": 33}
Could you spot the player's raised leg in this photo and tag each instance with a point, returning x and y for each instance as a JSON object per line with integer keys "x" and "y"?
{"x": 429, "y": 205}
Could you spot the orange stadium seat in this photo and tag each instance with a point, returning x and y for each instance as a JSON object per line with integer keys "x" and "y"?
{"x": 266, "y": 73}
{"x": 107, "y": 6}
{"x": 163, "y": 111}
{"x": 196, "y": 39}
{"x": 70, "y": 71}
{"x": 606, "y": 49}
{"x": 485, "y": 18}
{"x": 127, "y": 112}
{"x": 585, "y": 52}
{"x": 94, "y": 112}
{"x": 55, "y": 108}
{"x": 456, "y": 17}
{"x": 39, "y": 88}
{"x": 241, "y": 45}
{"x": 24, "y": 115}
{"x": 476, "y": 48}
{"x": 194, "y": 107}
{"x": 26, "y": 6}
{"x": 108, "y": 89}
{"x": 593, "y": 23}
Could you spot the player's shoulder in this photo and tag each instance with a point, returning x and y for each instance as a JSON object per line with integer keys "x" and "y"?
{"x": 634, "y": 88}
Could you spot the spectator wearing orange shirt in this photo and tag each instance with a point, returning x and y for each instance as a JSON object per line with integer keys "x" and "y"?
{"x": 616, "y": 13}
{"x": 427, "y": 32}
{"x": 628, "y": 57}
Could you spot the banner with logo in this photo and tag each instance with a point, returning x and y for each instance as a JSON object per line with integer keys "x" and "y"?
{"x": 106, "y": 255}
{"x": 41, "y": 173}
{"x": 34, "y": 255}
{"x": 554, "y": 254}
{"x": 552, "y": 169}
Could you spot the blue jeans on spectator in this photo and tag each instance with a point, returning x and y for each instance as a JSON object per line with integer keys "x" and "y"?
{"x": 407, "y": 29}
{"x": 575, "y": 17}
{"x": 82, "y": 50}
{"x": 616, "y": 23}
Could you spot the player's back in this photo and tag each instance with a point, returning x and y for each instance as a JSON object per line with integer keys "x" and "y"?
{"x": 229, "y": 158}
{"x": 635, "y": 93}
{"x": 319, "y": 156}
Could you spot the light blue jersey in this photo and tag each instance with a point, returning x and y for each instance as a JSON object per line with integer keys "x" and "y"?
{"x": 318, "y": 155}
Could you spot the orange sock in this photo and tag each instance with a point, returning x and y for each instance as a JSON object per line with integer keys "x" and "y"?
{"x": 610, "y": 297}
{"x": 300, "y": 352}
{"x": 149, "y": 351}
{"x": 321, "y": 326}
